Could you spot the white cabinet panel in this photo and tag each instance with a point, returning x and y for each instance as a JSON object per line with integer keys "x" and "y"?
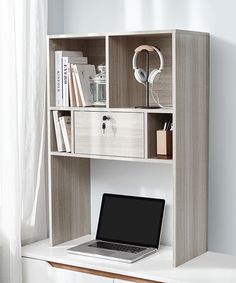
{"x": 68, "y": 276}
{"x": 38, "y": 271}
{"x": 123, "y": 135}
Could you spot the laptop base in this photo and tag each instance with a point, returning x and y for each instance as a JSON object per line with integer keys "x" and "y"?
{"x": 86, "y": 250}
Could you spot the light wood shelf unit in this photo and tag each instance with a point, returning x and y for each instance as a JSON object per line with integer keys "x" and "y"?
{"x": 184, "y": 82}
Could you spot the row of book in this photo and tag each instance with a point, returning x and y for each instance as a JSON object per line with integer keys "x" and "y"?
{"x": 62, "y": 125}
{"x": 73, "y": 79}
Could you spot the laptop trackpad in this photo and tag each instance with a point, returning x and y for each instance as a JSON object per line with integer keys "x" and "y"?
{"x": 99, "y": 252}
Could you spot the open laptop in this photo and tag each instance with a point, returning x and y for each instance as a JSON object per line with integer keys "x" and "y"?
{"x": 129, "y": 229}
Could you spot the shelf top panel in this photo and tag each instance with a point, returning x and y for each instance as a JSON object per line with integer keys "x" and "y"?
{"x": 104, "y": 109}
{"x": 131, "y": 33}
{"x": 104, "y": 157}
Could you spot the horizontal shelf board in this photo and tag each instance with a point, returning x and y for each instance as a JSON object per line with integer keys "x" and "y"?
{"x": 103, "y": 109}
{"x": 148, "y": 160}
{"x": 102, "y": 35}
{"x": 81, "y": 36}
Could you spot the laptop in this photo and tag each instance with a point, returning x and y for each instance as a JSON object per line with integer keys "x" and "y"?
{"x": 129, "y": 229}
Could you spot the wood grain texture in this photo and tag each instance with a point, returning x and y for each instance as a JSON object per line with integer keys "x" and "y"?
{"x": 121, "y": 51}
{"x": 69, "y": 198}
{"x": 191, "y": 146}
{"x": 115, "y": 276}
{"x": 123, "y": 135}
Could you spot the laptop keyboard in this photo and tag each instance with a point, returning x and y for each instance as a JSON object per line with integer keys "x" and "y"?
{"x": 117, "y": 247}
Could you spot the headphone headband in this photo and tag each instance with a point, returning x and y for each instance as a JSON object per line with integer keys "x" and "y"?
{"x": 148, "y": 48}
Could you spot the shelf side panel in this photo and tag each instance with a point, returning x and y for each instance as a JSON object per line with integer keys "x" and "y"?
{"x": 69, "y": 199}
{"x": 191, "y": 146}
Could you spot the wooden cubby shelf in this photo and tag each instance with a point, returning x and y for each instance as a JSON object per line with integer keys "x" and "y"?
{"x": 130, "y": 133}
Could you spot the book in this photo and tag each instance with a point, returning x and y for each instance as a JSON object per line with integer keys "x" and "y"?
{"x": 58, "y": 132}
{"x": 84, "y": 74}
{"x": 58, "y": 72}
{"x": 66, "y": 60}
{"x": 72, "y": 98}
{"x": 76, "y": 88}
{"x": 65, "y": 123}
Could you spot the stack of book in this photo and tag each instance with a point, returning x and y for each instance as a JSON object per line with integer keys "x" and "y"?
{"x": 62, "y": 124}
{"x": 73, "y": 77}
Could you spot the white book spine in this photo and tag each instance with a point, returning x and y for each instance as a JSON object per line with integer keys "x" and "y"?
{"x": 76, "y": 88}
{"x": 65, "y": 123}
{"x": 58, "y": 78}
{"x": 58, "y": 132}
{"x": 65, "y": 81}
{"x": 79, "y": 85}
{"x": 72, "y": 98}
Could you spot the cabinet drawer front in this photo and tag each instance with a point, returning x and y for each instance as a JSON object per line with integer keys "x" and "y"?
{"x": 68, "y": 276}
{"x": 39, "y": 271}
{"x": 123, "y": 135}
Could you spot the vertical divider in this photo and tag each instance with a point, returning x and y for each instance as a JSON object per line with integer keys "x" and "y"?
{"x": 72, "y": 132}
{"x": 145, "y": 135}
{"x": 107, "y": 70}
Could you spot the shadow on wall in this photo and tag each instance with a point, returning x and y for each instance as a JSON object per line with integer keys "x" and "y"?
{"x": 222, "y": 134}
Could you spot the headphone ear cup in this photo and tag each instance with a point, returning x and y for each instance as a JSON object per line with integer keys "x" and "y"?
{"x": 154, "y": 75}
{"x": 140, "y": 75}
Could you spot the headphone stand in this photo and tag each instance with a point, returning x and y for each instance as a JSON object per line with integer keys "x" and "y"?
{"x": 147, "y": 106}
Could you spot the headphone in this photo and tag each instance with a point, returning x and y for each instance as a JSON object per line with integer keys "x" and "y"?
{"x": 139, "y": 74}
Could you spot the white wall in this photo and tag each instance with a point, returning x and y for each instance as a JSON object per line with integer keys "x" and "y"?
{"x": 55, "y": 16}
{"x": 133, "y": 178}
{"x": 218, "y": 18}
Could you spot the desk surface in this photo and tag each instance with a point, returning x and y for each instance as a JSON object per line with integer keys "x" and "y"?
{"x": 207, "y": 268}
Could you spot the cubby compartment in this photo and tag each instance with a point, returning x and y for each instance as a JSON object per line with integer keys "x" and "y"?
{"x": 124, "y": 90}
{"x": 155, "y": 122}
{"x": 92, "y": 47}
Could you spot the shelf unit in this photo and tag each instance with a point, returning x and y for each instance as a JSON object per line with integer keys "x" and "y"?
{"x": 183, "y": 83}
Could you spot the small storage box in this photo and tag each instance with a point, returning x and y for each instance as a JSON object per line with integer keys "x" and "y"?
{"x": 164, "y": 144}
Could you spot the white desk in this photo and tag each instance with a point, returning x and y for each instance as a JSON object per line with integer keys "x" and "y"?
{"x": 207, "y": 268}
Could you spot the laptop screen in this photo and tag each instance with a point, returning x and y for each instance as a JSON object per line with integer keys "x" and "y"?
{"x": 131, "y": 220}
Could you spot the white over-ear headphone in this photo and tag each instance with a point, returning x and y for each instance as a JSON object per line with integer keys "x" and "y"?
{"x": 139, "y": 74}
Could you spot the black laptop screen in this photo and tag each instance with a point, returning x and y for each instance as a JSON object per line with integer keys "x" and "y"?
{"x": 131, "y": 220}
